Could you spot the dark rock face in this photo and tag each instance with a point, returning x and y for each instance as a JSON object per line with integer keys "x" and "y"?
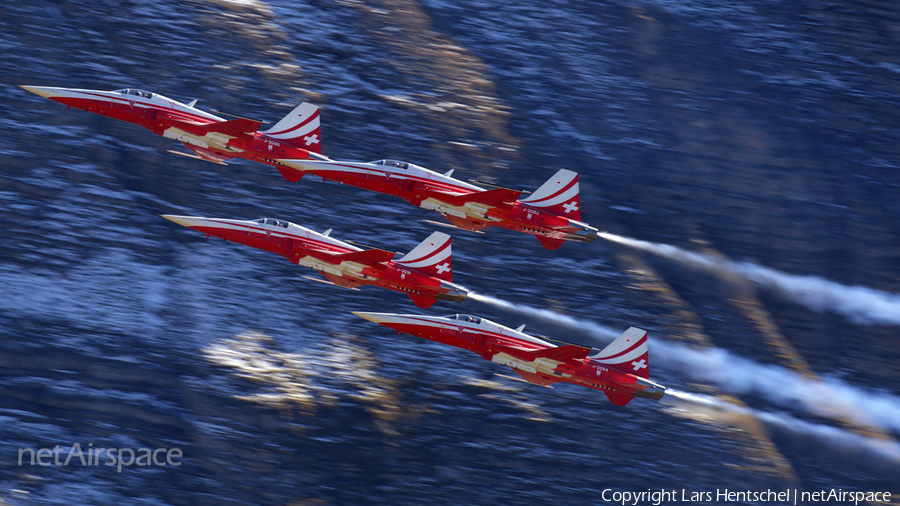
{"x": 743, "y": 131}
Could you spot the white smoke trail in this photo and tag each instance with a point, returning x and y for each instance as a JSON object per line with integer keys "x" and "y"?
{"x": 886, "y": 448}
{"x": 598, "y": 330}
{"x": 828, "y": 397}
{"x": 858, "y": 303}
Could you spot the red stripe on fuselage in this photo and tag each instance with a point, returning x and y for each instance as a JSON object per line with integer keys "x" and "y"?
{"x": 507, "y": 339}
{"x": 332, "y": 248}
{"x": 458, "y": 189}
{"x": 124, "y": 101}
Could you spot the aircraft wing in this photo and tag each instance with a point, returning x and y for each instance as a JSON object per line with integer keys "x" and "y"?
{"x": 235, "y": 128}
{"x": 240, "y": 127}
{"x": 190, "y": 127}
{"x": 494, "y": 197}
{"x": 560, "y": 354}
{"x": 370, "y": 257}
{"x": 342, "y": 281}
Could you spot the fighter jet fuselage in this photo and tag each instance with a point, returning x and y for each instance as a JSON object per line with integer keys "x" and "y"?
{"x": 424, "y": 274}
{"x": 552, "y": 213}
{"x": 621, "y": 370}
{"x": 208, "y": 136}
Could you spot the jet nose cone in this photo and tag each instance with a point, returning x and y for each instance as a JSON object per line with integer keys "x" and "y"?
{"x": 372, "y": 317}
{"x": 43, "y": 91}
{"x": 184, "y": 221}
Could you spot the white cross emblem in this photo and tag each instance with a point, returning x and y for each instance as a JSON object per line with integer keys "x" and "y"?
{"x": 639, "y": 365}
{"x": 311, "y": 139}
{"x": 571, "y": 206}
{"x": 444, "y": 267}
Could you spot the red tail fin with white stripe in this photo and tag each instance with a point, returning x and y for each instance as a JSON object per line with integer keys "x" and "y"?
{"x": 558, "y": 195}
{"x": 431, "y": 256}
{"x": 628, "y": 353}
{"x": 300, "y": 128}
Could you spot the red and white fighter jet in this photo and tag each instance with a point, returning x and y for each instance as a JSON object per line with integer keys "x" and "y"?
{"x": 209, "y": 137}
{"x": 552, "y": 213}
{"x": 621, "y": 370}
{"x": 425, "y": 273}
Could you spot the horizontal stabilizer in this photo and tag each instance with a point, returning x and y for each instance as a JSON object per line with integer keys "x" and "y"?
{"x": 371, "y": 257}
{"x": 561, "y": 353}
{"x": 617, "y": 398}
{"x": 549, "y": 242}
{"x": 289, "y": 174}
{"x": 422, "y": 301}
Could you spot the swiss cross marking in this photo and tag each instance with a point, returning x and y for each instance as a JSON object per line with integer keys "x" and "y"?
{"x": 571, "y": 206}
{"x": 311, "y": 139}
{"x": 639, "y": 365}
{"x": 444, "y": 267}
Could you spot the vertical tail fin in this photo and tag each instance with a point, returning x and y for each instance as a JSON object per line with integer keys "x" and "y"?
{"x": 431, "y": 256}
{"x": 627, "y": 353}
{"x": 299, "y": 128}
{"x": 558, "y": 195}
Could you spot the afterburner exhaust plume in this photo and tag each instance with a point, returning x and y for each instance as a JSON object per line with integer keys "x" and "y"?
{"x": 858, "y": 303}
{"x": 716, "y": 409}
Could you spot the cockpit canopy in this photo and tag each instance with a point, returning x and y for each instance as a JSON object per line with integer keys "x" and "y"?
{"x": 273, "y": 221}
{"x": 137, "y": 93}
{"x": 403, "y": 165}
{"x": 464, "y": 318}
{"x": 392, "y": 163}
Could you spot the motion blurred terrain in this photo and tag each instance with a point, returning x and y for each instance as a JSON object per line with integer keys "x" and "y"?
{"x": 756, "y": 131}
